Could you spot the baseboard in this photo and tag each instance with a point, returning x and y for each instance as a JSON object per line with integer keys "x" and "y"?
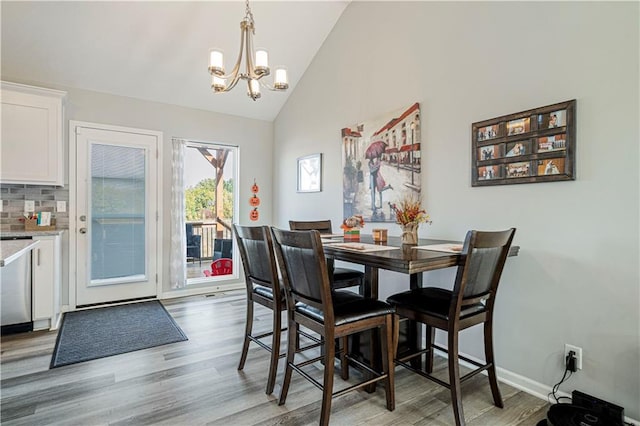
{"x": 198, "y": 291}
{"x": 527, "y": 385}
{"x": 40, "y": 325}
{"x": 520, "y": 382}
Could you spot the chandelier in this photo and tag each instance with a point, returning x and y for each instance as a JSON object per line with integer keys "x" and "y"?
{"x": 252, "y": 71}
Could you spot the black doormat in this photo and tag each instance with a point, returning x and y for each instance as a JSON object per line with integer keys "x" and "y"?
{"x": 102, "y": 332}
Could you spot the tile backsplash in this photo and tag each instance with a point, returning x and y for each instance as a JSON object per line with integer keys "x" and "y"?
{"x": 45, "y": 197}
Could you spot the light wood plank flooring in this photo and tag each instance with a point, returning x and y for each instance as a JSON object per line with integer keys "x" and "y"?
{"x": 196, "y": 382}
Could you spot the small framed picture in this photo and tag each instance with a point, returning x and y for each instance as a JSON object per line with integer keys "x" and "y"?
{"x": 520, "y": 169}
{"x": 519, "y": 126}
{"x": 515, "y": 149}
{"x": 488, "y": 132}
{"x": 489, "y": 172}
{"x": 552, "y": 120}
{"x": 551, "y": 166}
{"x": 310, "y": 173}
{"x": 552, "y": 143}
{"x": 489, "y": 152}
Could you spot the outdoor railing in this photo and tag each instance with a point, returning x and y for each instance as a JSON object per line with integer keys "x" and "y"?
{"x": 208, "y": 230}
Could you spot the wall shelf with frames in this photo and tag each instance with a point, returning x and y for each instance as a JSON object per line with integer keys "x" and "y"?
{"x": 532, "y": 146}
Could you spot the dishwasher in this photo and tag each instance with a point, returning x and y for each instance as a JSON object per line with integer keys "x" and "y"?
{"x": 15, "y": 294}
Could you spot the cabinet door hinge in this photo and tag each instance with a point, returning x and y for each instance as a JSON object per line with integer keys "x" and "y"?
{"x": 156, "y": 278}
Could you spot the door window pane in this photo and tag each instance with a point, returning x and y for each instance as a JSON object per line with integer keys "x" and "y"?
{"x": 117, "y": 212}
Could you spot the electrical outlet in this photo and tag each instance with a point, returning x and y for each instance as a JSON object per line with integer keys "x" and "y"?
{"x": 578, "y": 354}
{"x": 61, "y": 206}
{"x": 29, "y": 206}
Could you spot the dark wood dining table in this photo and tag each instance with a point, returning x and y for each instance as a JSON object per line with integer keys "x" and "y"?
{"x": 401, "y": 258}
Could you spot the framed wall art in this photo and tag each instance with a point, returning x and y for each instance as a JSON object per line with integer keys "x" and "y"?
{"x": 531, "y": 146}
{"x": 381, "y": 163}
{"x": 310, "y": 173}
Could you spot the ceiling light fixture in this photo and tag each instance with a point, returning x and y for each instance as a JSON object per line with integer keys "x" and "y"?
{"x": 253, "y": 71}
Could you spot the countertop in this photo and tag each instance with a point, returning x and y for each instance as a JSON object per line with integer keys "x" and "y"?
{"x": 22, "y": 234}
{"x": 11, "y": 250}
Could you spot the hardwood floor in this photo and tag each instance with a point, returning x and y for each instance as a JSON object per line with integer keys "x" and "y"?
{"x": 197, "y": 382}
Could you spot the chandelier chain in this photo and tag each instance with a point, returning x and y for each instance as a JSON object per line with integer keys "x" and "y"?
{"x": 248, "y": 14}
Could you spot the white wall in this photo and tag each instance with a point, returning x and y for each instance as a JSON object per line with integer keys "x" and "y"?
{"x": 576, "y": 279}
{"x": 254, "y": 138}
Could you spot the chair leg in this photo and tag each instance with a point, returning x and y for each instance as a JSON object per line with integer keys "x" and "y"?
{"x": 454, "y": 378}
{"x": 388, "y": 366}
{"x": 413, "y": 332}
{"x": 488, "y": 354}
{"x": 247, "y": 333}
{"x": 396, "y": 334}
{"x": 344, "y": 363}
{"x": 275, "y": 350}
{"x": 291, "y": 351}
{"x": 430, "y": 334}
{"x": 327, "y": 387}
{"x": 375, "y": 364}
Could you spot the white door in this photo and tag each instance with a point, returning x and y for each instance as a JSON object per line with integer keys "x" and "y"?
{"x": 117, "y": 215}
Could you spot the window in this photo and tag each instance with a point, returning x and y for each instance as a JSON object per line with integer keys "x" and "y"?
{"x": 210, "y": 200}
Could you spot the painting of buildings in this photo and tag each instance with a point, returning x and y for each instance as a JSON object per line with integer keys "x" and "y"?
{"x": 381, "y": 162}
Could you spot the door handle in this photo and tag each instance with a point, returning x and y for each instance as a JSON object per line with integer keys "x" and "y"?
{"x": 83, "y": 230}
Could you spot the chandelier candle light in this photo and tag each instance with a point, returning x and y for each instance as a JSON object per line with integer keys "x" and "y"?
{"x": 253, "y": 71}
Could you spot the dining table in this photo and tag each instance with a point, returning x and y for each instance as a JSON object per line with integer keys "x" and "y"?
{"x": 392, "y": 255}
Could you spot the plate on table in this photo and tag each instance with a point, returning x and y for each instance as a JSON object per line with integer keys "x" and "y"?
{"x": 447, "y": 248}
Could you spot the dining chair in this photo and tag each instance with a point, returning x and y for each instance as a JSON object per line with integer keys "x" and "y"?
{"x": 222, "y": 248}
{"x": 332, "y": 314}
{"x": 222, "y": 266}
{"x": 263, "y": 287}
{"x": 193, "y": 243}
{"x": 471, "y": 302}
{"x": 342, "y": 277}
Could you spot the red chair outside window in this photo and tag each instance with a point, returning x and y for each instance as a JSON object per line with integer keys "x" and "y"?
{"x": 222, "y": 267}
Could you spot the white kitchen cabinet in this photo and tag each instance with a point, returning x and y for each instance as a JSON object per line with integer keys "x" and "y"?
{"x": 46, "y": 277}
{"x": 32, "y": 135}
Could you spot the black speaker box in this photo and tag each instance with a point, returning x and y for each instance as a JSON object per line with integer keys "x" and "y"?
{"x": 603, "y": 409}
{"x": 573, "y": 415}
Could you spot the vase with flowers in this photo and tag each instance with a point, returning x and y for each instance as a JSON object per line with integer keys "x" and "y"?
{"x": 409, "y": 215}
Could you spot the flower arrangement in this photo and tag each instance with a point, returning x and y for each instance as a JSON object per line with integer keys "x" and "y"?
{"x": 353, "y": 222}
{"x": 351, "y": 226}
{"x": 410, "y": 214}
{"x": 409, "y": 211}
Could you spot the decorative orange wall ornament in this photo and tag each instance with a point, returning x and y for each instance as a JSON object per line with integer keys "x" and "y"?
{"x": 254, "y": 202}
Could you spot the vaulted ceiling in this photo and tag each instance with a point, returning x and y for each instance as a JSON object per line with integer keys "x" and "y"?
{"x": 158, "y": 51}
